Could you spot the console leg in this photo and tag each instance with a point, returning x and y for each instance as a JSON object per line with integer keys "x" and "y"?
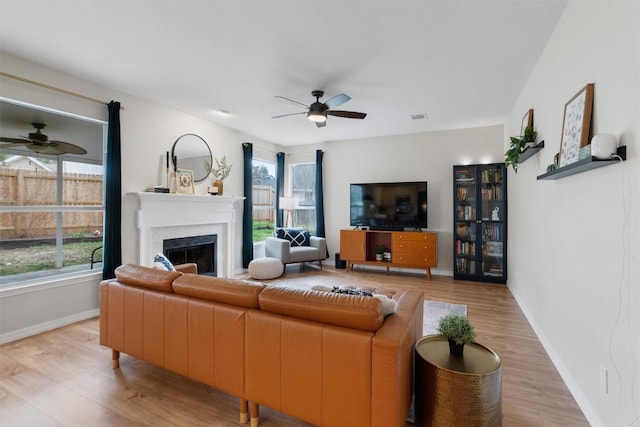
{"x": 255, "y": 414}
{"x": 115, "y": 359}
{"x": 244, "y": 411}
{"x": 429, "y": 273}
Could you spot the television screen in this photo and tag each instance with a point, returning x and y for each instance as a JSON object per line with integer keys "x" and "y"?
{"x": 389, "y": 205}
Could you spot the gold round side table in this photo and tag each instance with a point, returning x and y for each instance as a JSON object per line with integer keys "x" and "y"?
{"x": 456, "y": 390}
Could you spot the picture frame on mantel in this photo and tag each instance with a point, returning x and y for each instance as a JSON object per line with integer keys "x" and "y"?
{"x": 576, "y": 125}
{"x": 527, "y": 121}
{"x": 184, "y": 182}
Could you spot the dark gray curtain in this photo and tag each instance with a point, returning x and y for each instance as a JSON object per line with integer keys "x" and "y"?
{"x": 112, "y": 251}
{"x": 279, "y": 187}
{"x": 319, "y": 198}
{"x": 247, "y": 218}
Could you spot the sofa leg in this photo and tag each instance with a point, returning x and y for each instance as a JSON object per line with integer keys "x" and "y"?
{"x": 255, "y": 414}
{"x": 320, "y": 262}
{"x": 115, "y": 359}
{"x": 244, "y": 411}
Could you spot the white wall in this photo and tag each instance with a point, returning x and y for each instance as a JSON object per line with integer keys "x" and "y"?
{"x": 573, "y": 243}
{"x": 417, "y": 157}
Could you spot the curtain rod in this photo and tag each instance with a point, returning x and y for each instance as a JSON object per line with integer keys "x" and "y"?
{"x": 46, "y": 86}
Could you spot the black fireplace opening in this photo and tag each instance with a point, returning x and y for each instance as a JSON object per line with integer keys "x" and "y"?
{"x": 198, "y": 249}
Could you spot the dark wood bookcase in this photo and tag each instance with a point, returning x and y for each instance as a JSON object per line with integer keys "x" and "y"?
{"x": 480, "y": 223}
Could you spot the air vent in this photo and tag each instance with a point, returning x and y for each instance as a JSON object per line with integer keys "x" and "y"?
{"x": 419, "y": 116}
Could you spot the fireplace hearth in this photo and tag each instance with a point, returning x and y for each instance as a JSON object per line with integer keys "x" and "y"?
{"x": 198, "y": 249}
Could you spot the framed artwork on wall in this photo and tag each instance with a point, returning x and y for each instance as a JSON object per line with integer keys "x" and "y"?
{"x": 576, "y": 125}
{"x": 184, "y": 182}
{"x": 527, "y": 121}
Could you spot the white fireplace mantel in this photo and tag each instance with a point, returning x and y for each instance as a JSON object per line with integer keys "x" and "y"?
{"x": 167, "y": 216}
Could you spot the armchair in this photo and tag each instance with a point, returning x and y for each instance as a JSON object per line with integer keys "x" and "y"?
{"x": 295, "y": 245}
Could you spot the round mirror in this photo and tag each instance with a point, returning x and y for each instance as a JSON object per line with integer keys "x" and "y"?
{"x": 193, "y": 153}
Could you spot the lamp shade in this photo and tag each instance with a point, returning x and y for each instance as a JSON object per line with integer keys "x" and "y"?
{"x": 288, "y": 203}
{"x": 317, "y": 116}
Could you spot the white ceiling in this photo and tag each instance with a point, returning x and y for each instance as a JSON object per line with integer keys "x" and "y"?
{"x": 463, "y": 63}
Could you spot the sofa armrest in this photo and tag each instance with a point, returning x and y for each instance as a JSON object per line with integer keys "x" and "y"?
{"x": 189, "y": 267}
{"x": 320, "y": 243}
{"x": 277, "y": 248}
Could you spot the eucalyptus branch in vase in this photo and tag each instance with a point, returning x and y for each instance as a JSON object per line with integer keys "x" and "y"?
{"x": 219, "y": 173}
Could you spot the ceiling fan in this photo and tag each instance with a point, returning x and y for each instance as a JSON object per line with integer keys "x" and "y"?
{"x": 39, "y": 142}
{"x": 318, "y": 111}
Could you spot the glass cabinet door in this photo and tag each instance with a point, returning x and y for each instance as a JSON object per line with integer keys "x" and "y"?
{"x": 465, "y": 232}
{"x": 493, "y": 215}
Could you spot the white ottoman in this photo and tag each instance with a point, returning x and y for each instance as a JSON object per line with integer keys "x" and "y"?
{"x": 266, "y": 268}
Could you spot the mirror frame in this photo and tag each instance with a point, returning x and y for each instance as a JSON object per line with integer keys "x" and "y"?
{"x": 197, "y": 173}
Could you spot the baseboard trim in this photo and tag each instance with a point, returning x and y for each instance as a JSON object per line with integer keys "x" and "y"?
{"x": 47, "y": 326}
{"x": 589, "y": 413}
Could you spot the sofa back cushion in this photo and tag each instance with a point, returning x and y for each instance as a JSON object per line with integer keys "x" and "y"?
{"x": 350, "y": 311}
{"x": 146, "y": 277}
{"x": 243, "y": 293}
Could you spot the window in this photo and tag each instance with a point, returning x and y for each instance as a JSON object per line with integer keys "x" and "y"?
{"x": 51, "y": 206}
{"x": 303, "y": 182}
{"x": 264, "y": 196}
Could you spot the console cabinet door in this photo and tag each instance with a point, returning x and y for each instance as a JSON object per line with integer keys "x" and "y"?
{"x": 352, "y": 245}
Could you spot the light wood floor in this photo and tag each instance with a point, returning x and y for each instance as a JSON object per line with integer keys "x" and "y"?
{"x": 64, "y": 377}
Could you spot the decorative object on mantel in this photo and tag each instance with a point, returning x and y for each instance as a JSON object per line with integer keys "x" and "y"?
{"x": 518, "y": 145}
{"x": 457, "y": 330}
{"x": 219, "y": 173}
{"x": 576, "y": 125}
{"x": 184, "y": 181}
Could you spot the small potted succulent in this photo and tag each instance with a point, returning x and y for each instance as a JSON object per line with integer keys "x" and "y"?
{"x": 380, "y": 250}
{"x": 518, "y": 145}
{"x": 457, "y": 330}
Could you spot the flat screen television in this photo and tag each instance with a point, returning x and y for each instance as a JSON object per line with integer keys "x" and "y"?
{"x": 392, "y": 206}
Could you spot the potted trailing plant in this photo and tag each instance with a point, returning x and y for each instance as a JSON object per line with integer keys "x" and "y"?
{"x": 518, "y": 145}
{"x": 457, "y": 330}
{"x": 380, "y": 249}
{"x": 220, "y": 173}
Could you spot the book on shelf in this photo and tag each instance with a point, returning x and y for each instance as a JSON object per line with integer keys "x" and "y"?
{"x": 494, "y": 248}
{"x": 158, "y": 189}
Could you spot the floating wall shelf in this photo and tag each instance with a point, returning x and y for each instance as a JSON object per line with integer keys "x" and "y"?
{"x": 530, "y": 151}
{"x": 584, "y": 165}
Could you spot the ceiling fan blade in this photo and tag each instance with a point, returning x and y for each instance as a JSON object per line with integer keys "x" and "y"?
{"x": 45, "y": 149}
{"x": 291, "y": 100}
{"x": 15, "y": 140}
{"x": 67, "y": 147}
{"x": 290, "y": 114}
{"x": 347, "y": 114}
{"x": 321, "y": 124}
{"x": 337, "y": 100}
{"x": 15, "y": 144}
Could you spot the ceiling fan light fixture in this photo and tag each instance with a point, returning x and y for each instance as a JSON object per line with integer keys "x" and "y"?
{"x": 317, "y": 116}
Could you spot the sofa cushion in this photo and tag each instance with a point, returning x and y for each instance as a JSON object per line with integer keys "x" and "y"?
{"x": 146, "y": 277}
{"x": 295, "y": 236}
{"x": 243, "y": 293}
{"x": 351, "y": 311}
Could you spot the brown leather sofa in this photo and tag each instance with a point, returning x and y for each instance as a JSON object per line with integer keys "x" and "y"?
{"x": 328, "y": 359}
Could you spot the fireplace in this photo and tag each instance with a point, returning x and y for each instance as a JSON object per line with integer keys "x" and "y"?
{"x": 162, "y": 217}
{"x": 198, "y": 249}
